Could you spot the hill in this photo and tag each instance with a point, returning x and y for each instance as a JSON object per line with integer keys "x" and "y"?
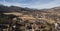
{"x": 50, "y": 15}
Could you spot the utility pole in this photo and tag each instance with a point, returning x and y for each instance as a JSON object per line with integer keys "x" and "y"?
{"x": 37, "y": 16}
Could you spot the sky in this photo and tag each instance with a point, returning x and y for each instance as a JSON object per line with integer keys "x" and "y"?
{"x": 38, "y": 4}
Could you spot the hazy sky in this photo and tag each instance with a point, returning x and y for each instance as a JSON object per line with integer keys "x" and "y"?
{"x": 39, "y": 4}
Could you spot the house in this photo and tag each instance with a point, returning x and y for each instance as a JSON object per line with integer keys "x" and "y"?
{"x": 4, "y": 27}
{"x": 57, "y": 26}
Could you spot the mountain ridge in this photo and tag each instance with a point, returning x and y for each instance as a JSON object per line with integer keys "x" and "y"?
{"x": 17, "y": 9}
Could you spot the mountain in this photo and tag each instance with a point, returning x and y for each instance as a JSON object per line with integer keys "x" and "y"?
{"x": 18, "y": 9}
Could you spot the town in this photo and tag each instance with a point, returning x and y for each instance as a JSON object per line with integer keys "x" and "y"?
{"x": 16, "y": 23}
{"x": 15, "y": 18}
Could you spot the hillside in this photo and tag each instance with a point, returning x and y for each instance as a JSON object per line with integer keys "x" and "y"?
{"x": 22, "y": 17}
{"x": 52, "y": 14}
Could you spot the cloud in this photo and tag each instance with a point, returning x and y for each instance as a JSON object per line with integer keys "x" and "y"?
{"x": 10, "y": 4}
{"x": 33, "y": 4}
{"x": 52, "y": 4}
{"x": 6, "y": 3}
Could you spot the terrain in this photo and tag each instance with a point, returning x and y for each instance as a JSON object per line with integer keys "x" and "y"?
{"x": 11, "y": 14}
{"x": 51, "y": 15}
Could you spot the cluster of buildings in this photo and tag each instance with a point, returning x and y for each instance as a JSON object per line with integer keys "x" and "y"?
{"x": 19, "y": 24}
{"x": 23, "y": 25}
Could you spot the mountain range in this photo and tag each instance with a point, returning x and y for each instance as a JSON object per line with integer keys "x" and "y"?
{"x": 50, "y": 15}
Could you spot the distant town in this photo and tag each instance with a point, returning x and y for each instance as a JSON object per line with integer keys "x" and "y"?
{"x": 15, "y": 18}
